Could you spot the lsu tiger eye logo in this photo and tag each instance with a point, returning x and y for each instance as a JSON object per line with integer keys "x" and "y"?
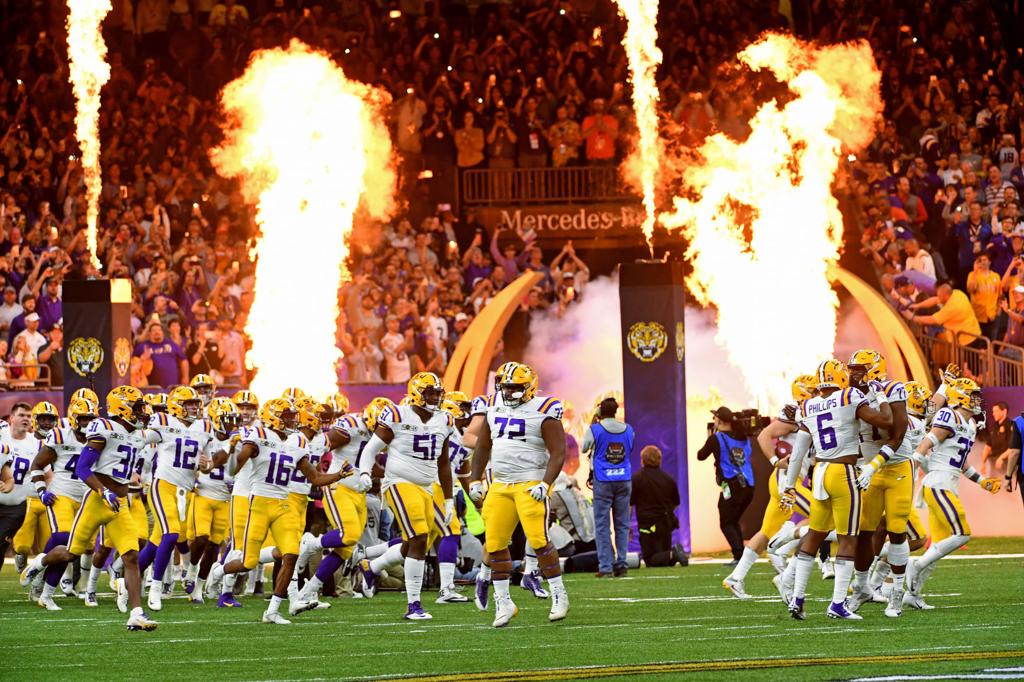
{"x": 647, "y": 341}
{"x": 85, "y": 355}
{"x": 122, "y": 356}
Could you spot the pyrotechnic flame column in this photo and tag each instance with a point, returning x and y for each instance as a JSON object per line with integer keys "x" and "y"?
{"x": 652, "y": 298}
{"x": 97, "y": 335}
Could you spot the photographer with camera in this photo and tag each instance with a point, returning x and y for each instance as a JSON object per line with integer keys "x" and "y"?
{"x": 729, "y": 443}
{"x": 610, "y": 444}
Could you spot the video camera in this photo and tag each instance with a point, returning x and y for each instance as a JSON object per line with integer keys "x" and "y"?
{"x": 747, "y": 423}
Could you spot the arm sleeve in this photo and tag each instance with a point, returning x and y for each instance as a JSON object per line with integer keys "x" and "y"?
{"x": 1015, "y": 437}
{"x": 86, "y": 460}
{"x": 796, "y": 460}
{"x": 369, "y": 454}
{"x": 588, "y": 440}
{"x": 709, "y": 448}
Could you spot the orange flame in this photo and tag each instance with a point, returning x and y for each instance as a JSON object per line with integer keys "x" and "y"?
{"x": 776, "y": 187}
{"x": 308, "y": 144}
{"x": 89, "y": 72}
{"x": 644, "y": 57}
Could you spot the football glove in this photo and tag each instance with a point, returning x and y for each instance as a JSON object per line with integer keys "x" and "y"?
{"x": 449, "y": 510}
{"x": 476, "y": 491}
{"x": 867, "y": 472}
{"x": 110, "y": 497}
{"x": 539, "y": 492}
{"x": 993, "y": 485}
{"x": 348, "y": 470}
{"x": 951, "y": 373}
{"x": 787, "y": 499}
{"x": 365, "y": 482}
{"x": 47, "y": 498}
{"x": 877, "y": 390}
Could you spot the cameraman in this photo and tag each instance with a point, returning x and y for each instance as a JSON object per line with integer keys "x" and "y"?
{"x": 729, "y": 443}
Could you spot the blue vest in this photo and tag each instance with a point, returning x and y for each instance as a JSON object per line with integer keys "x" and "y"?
{"x": 1019, "y": 421}
{"x": 611, "y": 454}
{"x": 735, "y": 457}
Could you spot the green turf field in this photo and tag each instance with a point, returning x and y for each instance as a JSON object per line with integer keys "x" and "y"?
{"x": 662, "y": 624}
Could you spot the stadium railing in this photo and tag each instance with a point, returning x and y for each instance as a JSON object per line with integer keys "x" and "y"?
{"x": 993, "y": 363}
{"x": 573, "y": 184}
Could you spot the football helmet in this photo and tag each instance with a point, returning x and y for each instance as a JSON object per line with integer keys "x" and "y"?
{"x": 454, "y": 408}
{"x": 832, "y": 374}
{"x": 205, "y": 386}
{"x": 918, "y": 399}
{"x": 127, "y": 404}
{"x": 44, "y": 417}
{"x": 248, "y": 405}
{"x": 460, "y": 399}
{"x": 425, "y": 390}
{"x": 371, "y": 413}
{"x": 310, "y": 413}
{"x": 88, "y": 394}
{"x": 498, "y": 373}
{"x": 293, "y": 394}
{"x": 183, "y": 402}
{"x": 157, "y": 402}
{"x": 279, "y": 414}
{"x": 81, "y": 412}
{"x": 804, "y": 386}
{"x": 224, "y": 415}
{"x": 518, "y": 385}
{"x": 866, "y": 365}
{"x": 964, "y": 393}
{"x": 339, "y": 402}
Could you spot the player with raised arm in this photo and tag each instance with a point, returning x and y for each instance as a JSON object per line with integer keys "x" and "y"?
{"x": 524, "y": 441}
{"x": 778, "y": 438}
{"x": 831, "y": 421}
{"x": 943, "y": 455}
{"x": 416, "y": 436}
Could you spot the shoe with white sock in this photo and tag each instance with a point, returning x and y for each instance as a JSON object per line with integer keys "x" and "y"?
{"x": 307, "y": 550}
{"x": 780, "y": 585}
{"x": 320, "y": 605}
{"x": 796, "y": 609}
{"x": 47, "y": 603}
{"x": 67, "y": 586}
{"x": 894, "y": 608}
{"x": 841, "y": 611}
{"x": 736, "y": 587}
{"x": 297, "y": 606}
{"x": 155, "y": 600}
{"x": 910, "y": 583}
{"x": 828, "y": 570}
{"x": 878, "y": 597}
{"x": 416, "y": 612}
{"x": 369, "y": 582}
{"x": 30, "y": 570}
{"x": 533, "y": 584}
{"x": 89, "y": 599}
{"x": 559, "y": 605}
{"x": 504, "y": 611}
{"x": 450, "y": 596}
{"x": 275, "y": 618}
{"x": 916, "y": 601}
{"x": 197, "y": 597}
{"x": 122, "y": 595}
{"x": 141, "y": 621}
{"x": 782, "y": 538}
{"x": 858, "y": 599}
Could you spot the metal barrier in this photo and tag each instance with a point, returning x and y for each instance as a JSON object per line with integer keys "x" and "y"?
{"x": 33, "y": 377}
{"x": 992, "y": 363}
{"x": 542, "y": 185}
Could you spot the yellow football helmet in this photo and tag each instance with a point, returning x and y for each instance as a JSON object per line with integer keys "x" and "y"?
{"x": 157, "y": 402}
{"x": 866, "y": 365}
{"x": 371, "y": 413}
{"x": 339, "y": 402}
{"x": 205, "y": 386}
{"x": 425, "y": 390}
{"x": 453, "y": 408}
{"x": 81, "y": 412}
{"x": 918, "y": 399}
{"x": 183, "y": 402}
{"x": 44, "y": 417}
{"x": 405, "y": 401}
{"x": 224, "y": 415}
{"x": 88, "y": 394}
{"x": 293, "y": 394}
{"x": 500, "y": 372}
{"x": 804, "y": 386}
{"x": 248, "y": 405}
{"x": 964, "y": 393}
{"x": 126, "y": 403}
{"x": 279, "y": 414}
{"x": 518, "y": 385}
{"x": 310, "y": 413}
{"x": 833, "y": 374}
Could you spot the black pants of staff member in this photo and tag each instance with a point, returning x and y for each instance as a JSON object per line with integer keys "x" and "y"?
{"x": 656, "y": 541}
{"x": 11, "y": 518}
{"x": 729, "y": 513}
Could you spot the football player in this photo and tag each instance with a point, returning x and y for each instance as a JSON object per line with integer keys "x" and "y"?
{"x": 887, "y": 479}
{"x": 416, "y": 436}
{"x": 272, "y": 462}
{"x": 63, "y": 495}
{"x": 179, "y": 436}
{"x": 524, "y": 441}
{"x": 783, "y": 432}
{"x": 831, "y": 420}
{"x": 943, "y": 455}
{"x": 24, "y": 445}
{"x": 105, "y": 465}
{"x": 35, "y": 528}
{"x": 450, "y": 534}
{"x": 205, "y": 386}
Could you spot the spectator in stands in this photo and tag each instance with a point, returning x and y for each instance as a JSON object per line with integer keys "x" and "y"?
{"x": 439, "y": 150}
{"x": 994, "y": 190}
{"x": 232, "y": 348}
{"x": 972, "y": 236}
{"x": 531, "y": 133}
{"x": 33, "y": 338}
{"x": 1015, "y": 325}
{"x": 918, "y": 259}
{"x": 955, "y": 315}
{"x": 983, "y": 286}
{"x": 10, "y": 308}
{"x": 51, "y": 354}
{"x": 28, "y": 307}
{"x": 564, "y": 138}
{"x": 396, "y": 347}
{"x": 363, "y": 359}
{"x": 506, "y": 257}
{"x": 469, "y": 141}
{"x": 600, "y": 131}
{"x": 163, "y": 362}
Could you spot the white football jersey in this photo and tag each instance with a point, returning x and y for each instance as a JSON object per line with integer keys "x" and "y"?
{"x": 272, "y": 464}
{"x": 22, "y": 453}
{"x": 518, "y": 452}
{"x": 67, "y": 447}
{"x": 312, "y": 449}
{"x": 358, "y": 436}
{"x": 873, "y": 438}
{"x": 416, "y": 446}
{"x": 833, "y": 423}
{"x": 458, "y": 453}
{"x": 785, "y": 445}
{"x": 948, "y": 459}
{"x": 916, "y": 431}
{"x": 482, "y": 402}
{"x": 120, "y": 448}
{"x": 177, "y": 454}
{"x": 215, "y": 485}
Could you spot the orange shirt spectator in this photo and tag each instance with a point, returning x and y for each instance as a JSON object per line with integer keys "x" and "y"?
{"x": 599, "y": 133}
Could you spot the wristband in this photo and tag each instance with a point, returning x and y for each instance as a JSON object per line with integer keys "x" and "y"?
{"x": 40, "y": 488}
{"x": 774, "y": 460}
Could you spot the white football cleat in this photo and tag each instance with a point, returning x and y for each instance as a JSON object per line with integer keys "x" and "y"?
{"x": 155, "y": 598}
{"x": 780, "y": 585}
{"x": 828, "y": 570}
{"x": 736, "y": 587}
{"x": 299, "y": 606}
{"x": 782, "y": 538}
{"x": 140, "y": 621}
{"x": 894, "y": 609}
{"x": 878, "y": 597}
{"x": 559, "y": 605}
{"x": 30, "y": 571}
{"x": 275, "y": 618}
{"x": 122, "y": 595}
{"x": 307, "y": 550}
{"x": 89, "y": 599}
{"x": 449, "y": 596}
{"x": 916, "y": 601}
{"x": 320, "y": 605}
{"x": 67, "y": 586}
{"x": 504, "y": 611}
{"x": 858, "y": 599}
{"x": 910, "y": 583}
{"x": 48, "y": 604}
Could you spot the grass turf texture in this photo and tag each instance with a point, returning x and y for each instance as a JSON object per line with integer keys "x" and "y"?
{"x": 661, "y": 624}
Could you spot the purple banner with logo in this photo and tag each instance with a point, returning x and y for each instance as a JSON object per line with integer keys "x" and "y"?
{"x": 651, "y": 298}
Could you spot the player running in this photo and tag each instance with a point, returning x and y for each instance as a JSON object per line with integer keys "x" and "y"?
{"x": 24, "y": 440}
{"x": 524, "y": 441}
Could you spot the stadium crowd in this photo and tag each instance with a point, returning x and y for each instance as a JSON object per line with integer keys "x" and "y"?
{"x": 528, "y": 84}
